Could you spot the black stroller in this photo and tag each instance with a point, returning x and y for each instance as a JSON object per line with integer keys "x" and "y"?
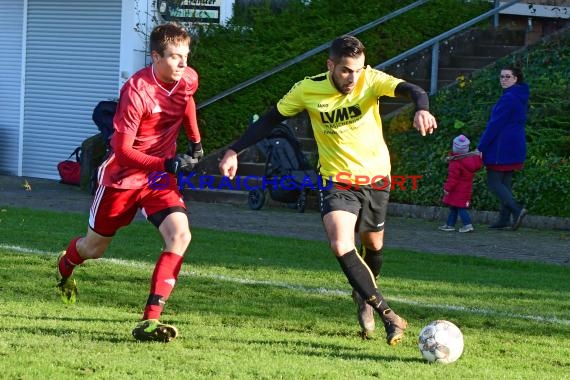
{"x": 288, "y": 174}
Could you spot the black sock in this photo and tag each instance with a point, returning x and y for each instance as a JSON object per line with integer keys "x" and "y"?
{"x": 373, "y": 259}
{"x": 360, "y": 277}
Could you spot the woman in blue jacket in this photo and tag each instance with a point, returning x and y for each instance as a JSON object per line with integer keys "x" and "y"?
{"x": 503, "y": 145}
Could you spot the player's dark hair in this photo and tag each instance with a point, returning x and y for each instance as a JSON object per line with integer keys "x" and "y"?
{"x": 346, "y": 46}
{"x": 167, "y": 34}
{"x": 517, "y": 72}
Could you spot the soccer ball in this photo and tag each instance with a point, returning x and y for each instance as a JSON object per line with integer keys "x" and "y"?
{"x": 441, "y": 342}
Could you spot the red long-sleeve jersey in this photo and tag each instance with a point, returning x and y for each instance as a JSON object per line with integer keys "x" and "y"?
{"x": 147, "y": 123}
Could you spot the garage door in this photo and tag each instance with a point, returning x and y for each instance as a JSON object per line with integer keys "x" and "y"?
{"x": 72, "y": 63}
{"x": 11, "y": 30}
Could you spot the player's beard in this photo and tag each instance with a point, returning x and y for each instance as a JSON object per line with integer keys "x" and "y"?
{"x": 341, "y": 88}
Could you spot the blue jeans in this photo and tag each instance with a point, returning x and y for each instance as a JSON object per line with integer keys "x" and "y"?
{"x": 500, "y": 184}
{"x": 463, "y": 214}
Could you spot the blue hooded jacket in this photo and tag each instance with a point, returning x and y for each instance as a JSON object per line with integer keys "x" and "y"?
{"x": 504, "y": 140}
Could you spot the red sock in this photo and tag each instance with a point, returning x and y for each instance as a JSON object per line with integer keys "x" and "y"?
{"x": 163, "y": 280}
{"x": 71, "y": 259}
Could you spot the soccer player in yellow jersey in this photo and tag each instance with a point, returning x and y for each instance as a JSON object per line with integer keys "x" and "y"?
{"x": 354, "y": 163}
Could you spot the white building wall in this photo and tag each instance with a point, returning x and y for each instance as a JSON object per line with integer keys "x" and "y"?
{"x": 136, "y": 24}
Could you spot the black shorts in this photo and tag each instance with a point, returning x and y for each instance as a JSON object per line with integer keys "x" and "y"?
{"x": 369, "y": 203}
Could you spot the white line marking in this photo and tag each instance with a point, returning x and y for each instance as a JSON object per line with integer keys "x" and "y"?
{"x": 300, "y": 288}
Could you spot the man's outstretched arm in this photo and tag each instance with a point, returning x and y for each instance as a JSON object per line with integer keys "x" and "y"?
{"x": 424, "y": 121}
{"x": 257, "y": 131}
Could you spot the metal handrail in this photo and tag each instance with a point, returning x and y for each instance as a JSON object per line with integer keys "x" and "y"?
{"x": 307, "y": 54}
{"x": 434, "y": 43}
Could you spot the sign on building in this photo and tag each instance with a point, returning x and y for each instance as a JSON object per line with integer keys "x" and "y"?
{"x": 188, "y": 12}
{"x": 550, "y": 9}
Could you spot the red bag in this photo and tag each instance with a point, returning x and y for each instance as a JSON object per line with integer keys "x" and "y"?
{"x": 70, "y": 171}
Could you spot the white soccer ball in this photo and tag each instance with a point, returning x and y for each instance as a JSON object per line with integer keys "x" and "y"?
{"x": 441, "y": 342}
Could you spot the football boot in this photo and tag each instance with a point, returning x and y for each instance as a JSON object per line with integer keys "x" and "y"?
{"x": 394, "y": 326}
{"x": 365, "y": 314}
{"x": 153, "y": 330}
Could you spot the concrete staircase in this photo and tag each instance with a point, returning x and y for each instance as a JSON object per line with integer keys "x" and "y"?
{"x": 459, "y": 56}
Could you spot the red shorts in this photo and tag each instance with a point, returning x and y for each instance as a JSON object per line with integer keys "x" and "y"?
{"x": 115, "y": 208}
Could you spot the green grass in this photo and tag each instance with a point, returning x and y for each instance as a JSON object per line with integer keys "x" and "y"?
{"x": 258, "y": 307}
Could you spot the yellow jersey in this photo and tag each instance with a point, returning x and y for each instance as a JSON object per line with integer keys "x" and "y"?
{"x": 347, "y": 127}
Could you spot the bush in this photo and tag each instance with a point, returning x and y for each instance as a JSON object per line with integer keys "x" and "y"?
{"x": 261, "y": 37}
{"x": 544, "y": 183}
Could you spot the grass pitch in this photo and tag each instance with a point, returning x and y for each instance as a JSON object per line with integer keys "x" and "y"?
{"x": 256, "y": 307}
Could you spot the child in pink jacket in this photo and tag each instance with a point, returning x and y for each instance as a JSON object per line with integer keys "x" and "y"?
{"x": 458, "y": 187}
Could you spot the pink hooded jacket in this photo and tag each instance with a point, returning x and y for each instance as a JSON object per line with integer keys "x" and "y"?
{"x": 459, "y": 183}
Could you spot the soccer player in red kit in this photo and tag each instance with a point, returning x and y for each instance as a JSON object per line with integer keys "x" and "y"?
{"x": 153, "y": 105}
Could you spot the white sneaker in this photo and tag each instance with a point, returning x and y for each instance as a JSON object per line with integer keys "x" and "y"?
{"x": 467, "y": 228}
{"x": 446, "y": 228}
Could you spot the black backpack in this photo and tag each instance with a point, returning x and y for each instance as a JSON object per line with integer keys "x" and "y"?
{"x": 95, "y": 149}
{"x": 103, "y": 118}
{"x": 282, "y": 152}
{"x": 284, "y": 157}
